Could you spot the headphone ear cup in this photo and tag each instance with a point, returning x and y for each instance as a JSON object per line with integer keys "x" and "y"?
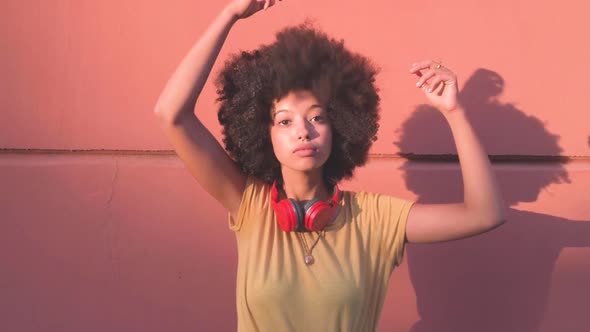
{"x": 307, "y": 221}
{"x": 299, "y": 215}
{"x": 286, "y": 215}
{"x": 317, "y": 214}
{"x": 311, "y": 203}
{"x": 313, "y": 216}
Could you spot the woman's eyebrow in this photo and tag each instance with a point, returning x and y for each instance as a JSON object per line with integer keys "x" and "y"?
{"x": 288, "y": 110}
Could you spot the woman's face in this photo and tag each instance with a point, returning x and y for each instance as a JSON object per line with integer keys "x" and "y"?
{"x": 300, "y": 132}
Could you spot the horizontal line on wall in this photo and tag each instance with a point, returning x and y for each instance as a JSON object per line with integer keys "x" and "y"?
{"x": 494, "y": 158}
{"x": 405, "y": 156}
{"x": 89, "y": 152}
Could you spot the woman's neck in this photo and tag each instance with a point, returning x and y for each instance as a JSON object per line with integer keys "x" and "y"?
{"x": 303, "y": 186}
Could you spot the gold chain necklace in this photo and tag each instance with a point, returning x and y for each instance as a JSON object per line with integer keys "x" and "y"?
{"x": 308, "y": 257}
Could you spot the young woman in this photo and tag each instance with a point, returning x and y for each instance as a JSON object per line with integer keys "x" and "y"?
{"x": 299, "y": 115}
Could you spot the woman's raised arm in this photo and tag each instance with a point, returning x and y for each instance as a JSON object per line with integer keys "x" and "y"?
{"x": 195, "y": 145}
{"x": 483, "y": 207}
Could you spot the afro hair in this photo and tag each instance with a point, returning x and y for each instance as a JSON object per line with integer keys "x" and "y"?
{"x": 301, "y": 58}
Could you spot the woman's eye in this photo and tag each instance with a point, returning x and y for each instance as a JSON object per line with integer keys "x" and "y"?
{"x": 283, "y": 122}
{"x": 317, "y": 118}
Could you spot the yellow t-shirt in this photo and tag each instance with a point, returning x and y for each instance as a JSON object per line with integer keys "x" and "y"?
{"x": 343, "y": 290}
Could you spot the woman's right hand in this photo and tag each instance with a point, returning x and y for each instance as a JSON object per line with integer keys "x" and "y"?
{"x": 245, "y": 8}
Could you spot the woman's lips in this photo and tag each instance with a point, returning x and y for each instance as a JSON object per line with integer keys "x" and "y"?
{"x": 307, "y": 150}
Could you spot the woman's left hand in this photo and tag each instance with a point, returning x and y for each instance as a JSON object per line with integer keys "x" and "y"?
{"x": 438, "y": 83}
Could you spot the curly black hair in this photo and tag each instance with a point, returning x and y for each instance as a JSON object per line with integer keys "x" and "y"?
{"x": 301, "y": 58}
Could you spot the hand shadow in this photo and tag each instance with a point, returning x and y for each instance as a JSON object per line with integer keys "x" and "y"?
{"x": 500, "y": 280}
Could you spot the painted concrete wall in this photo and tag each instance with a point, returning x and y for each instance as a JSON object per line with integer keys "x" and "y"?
{"x": 103, "y": 229}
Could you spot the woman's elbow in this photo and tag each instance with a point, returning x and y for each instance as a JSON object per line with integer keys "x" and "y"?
{"x": 497, "y": 219}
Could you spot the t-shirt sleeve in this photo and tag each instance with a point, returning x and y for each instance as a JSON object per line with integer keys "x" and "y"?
{"x": 392, "y": 213}
{"x": 249, "y": 197}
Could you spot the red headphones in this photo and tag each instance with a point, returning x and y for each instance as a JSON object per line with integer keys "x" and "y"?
{"x": 314, "y": 216}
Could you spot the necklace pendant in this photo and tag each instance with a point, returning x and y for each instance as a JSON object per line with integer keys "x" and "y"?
{"x": 308, "y": 259}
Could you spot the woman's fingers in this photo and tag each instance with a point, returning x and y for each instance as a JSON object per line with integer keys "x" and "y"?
{"x": 435, "y": 76}
{"x": 258, "y": 6}
{"x": 421, "y": 65}
{"x": 268, "y": 3}
{"x": 438, "y": 82}
{"x": 435, "y": 83}
{"x": 425, "y": 77}
{"x": 247, "y": 8}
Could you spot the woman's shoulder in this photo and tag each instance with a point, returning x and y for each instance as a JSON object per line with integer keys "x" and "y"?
{"x": 256, "y": 189}
{"x": 255, "y": 198}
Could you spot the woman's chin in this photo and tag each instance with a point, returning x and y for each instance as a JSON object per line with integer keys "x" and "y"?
{"x": 306, "y": 166}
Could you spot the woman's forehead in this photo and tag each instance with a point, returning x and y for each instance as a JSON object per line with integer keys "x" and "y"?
{"x": 296, "y": 101}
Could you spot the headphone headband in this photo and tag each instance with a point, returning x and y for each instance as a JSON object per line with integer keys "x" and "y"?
{"x": 313, "y": 216}
{"x": 333, "y": 201}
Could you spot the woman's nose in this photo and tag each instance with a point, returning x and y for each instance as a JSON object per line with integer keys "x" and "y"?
{"x": 302, "y": 131}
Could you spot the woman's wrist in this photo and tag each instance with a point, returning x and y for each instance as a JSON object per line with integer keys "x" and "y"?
{"x": 229, "y": 13}
{"x": 456, "y": 113}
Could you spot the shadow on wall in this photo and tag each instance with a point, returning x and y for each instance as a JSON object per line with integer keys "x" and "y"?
{"x": 498, "y": 281}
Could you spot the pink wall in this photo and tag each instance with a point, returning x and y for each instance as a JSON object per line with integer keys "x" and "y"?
{"x": 126, "y": 240}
